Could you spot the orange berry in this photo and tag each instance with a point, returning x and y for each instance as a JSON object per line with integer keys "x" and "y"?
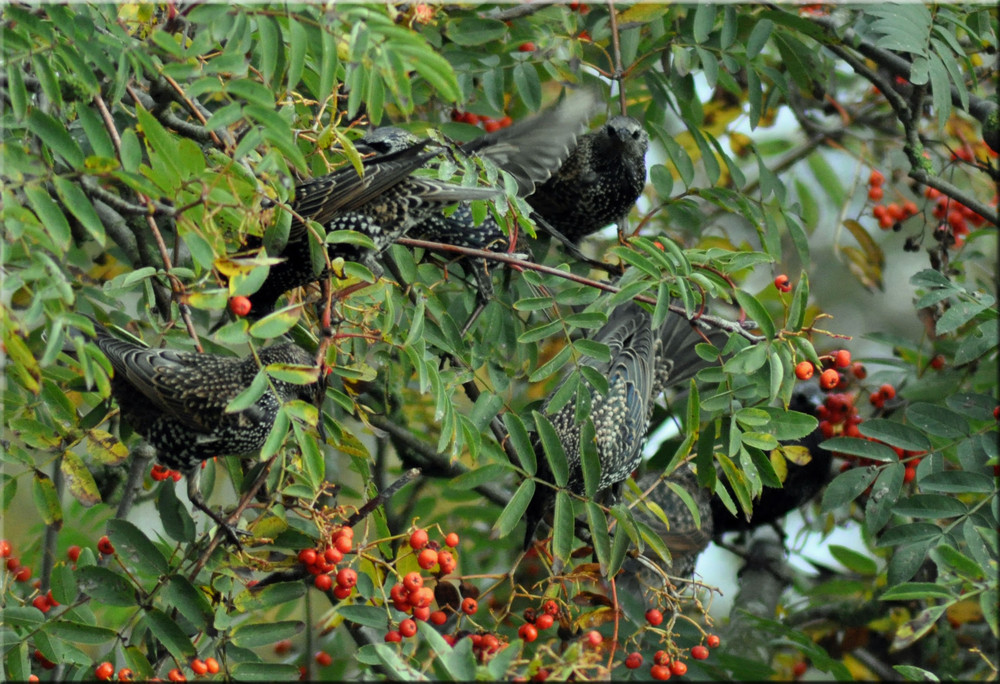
{"x": 407, "y": 628}
{"x": 418, "y": 539}
{"x": 104, "y": 670}
{"x": 528, "y": 632}
{"x": 427, "y": 559}
{"x": 829, "y": 378}
{"x": 240, "y": 305}
{"x": 803, "y": 371}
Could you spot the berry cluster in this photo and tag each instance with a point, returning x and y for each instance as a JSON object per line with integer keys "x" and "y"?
{"x": 955, "y": 218}
{"x": 489, "y": 124}
{"x": 321, "y": 563}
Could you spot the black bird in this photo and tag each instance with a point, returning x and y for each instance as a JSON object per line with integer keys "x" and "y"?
{"x": 388, "y": 202}
{"x": 802, "y": 483}
{"x": 598, "y": 183}
{"x": 643, "y": 361}
{"x": 531, "y": 150}
{"x": 177, "y": 400}
{"x": 383, "y": 204}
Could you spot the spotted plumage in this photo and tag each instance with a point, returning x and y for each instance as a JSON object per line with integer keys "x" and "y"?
{"x": 383, "y": 204}
{"x": 643, "y": 363}
{"x": 598, "y": 183}
{"x": 177, "y": 399}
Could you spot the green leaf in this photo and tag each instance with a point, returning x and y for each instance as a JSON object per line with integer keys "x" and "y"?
{"x": 552, "y": 446}
{"x": 252, "y": 635}
{"x": 513, "y": 513}
{"x": 135, "y": 549}
{"x": 105, "y": 586}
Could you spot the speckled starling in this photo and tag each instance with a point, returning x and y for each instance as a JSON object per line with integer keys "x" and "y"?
{"x": 383, "y": 205}
{"x": 389, "y": 201}
{"x": 177, "y": 400}
{"x": 598, "y": 183}
{"x": 642, "y": 361}
{"x": 530, "y": 150}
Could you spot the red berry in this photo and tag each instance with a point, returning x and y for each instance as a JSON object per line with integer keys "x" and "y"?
{"x": 783, "y": 283}
{"x": 198, "y": 666}
{"x": 451, "y": 539}
{"x": 469, "y": 605}
{"x": 699, "y": 652}
{"x": 213, "y": 665}
{"x": 633, "y": 661}
{"x": 347, "y": 577}
{"x": 105, "y": 546}
{"x": 526, "y": 47}
{"x": 239, "y": 305}
{"x": 407, "y": 628}
{"x": 104, "y": 670}
{"x": 413, "y": 581}
{"x": 842, "y": 358}
{"x": 392, "y": 636}
{"x": 323, "y": 658}
{"x": 679, "y": 668}
{"x": 544, "y": 621}
{"x": 654, "y": 617}
{"x": 594, "y": 637}
{"x": 660, "y": 672}
{"x": 323, "y": 582}
{"x": 829, "y": 378}
{"x": 804, "y": 370}
{"x": 427, "y": 559}
{"x": 418, "y": 539}
{"x": 528, "y": 632}
{"x": 876, "y": 179}
{"x": 438, "y": 617}
{"x": 875, "y": 194}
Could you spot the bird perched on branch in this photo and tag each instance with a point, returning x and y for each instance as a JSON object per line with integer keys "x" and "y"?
{"x": 177, "y": 401}
{"x": 598, "y": 183}
{"x": 643, "y": 363}
{"x": 387, "y": 202}
{"x": 382, "y": 204}
{"x": 530, "y": 150}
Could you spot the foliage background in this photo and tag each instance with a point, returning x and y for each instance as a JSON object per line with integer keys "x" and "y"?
{"x": 139, "y": 144}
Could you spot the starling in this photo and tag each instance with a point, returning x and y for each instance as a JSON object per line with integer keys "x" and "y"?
{"x": 530, "y": 150}
{"x": 643, "y": 361}
{"x": 383, "y": 204}
{"x": 598, "y": 183}
{"x": 802, "y": 483}
{"x": 177, "y": 400}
